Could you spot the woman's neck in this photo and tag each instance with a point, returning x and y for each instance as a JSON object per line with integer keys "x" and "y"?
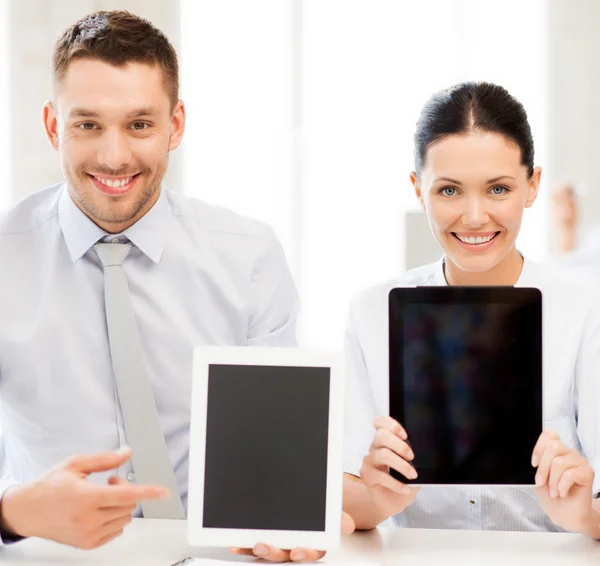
{"x": 507, "y": 272}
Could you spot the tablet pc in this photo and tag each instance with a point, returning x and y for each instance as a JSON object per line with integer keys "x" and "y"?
{"x": 465, "y": 381}
{"x": 266, "y": 448}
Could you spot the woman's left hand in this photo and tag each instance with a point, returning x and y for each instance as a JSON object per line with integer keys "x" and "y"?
{"x": 564, "y": 481}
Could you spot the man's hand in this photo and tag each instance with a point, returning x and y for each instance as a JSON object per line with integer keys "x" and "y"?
{"x": 63, "y": 506}
{"x": 564, "y": 484}
{"x": 389, "y": 449}
{"x": 297, "y": 554}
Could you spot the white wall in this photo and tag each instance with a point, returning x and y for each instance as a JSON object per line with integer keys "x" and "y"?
{"x": 237, "y": 81}
{"x": 574, "y": 100}
{"x": 302, "y": 113}
{"x": 5, "y": 169}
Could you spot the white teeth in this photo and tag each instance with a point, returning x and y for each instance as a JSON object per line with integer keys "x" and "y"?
{"x": 475, "y": 239}
{"x": 113, "y": 183}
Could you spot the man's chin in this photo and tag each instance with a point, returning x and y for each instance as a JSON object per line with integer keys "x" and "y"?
{"x": 120, "y": 211}
{"x": 114, "y": 223}
{"x": 117, "y": 213}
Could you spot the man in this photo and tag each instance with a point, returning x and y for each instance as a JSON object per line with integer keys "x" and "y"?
{"x": 110, "y": 277}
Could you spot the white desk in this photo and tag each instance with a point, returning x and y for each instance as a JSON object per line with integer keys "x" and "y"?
{"x": 160, "y": 543}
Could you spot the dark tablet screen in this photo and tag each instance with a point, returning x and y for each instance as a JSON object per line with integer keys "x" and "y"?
{"x": 266, "y": 447}
{"x": 466, "y": 381}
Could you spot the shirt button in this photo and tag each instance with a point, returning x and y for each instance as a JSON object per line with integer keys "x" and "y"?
{"x": 131, "y": 476}
{"x": 472, "y": 502}
{"x": 115, "y": 241}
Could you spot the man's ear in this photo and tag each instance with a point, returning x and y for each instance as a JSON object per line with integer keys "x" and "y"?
{"x": 177, "y": 125}
{"x": 50, "y": 123}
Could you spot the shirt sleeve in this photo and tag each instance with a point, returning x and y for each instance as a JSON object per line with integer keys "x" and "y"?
{"x": 5, "y": 482}
{"x": 274, "y": 299}
{"x": 360, "y": 408}
{"x": 587, "y": 391}
{"x": 5, "y": 539}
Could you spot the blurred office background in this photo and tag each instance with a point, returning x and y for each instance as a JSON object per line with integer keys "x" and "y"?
{"x": 301, "y": 113}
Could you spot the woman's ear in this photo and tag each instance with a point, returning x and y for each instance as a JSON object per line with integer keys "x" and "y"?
{"x": 534, "y": 186}
{"x": 414, "y": 179}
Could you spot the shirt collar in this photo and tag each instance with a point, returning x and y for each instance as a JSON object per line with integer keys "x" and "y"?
{"x": 149, "y": 233}
{"x": 439, "y": 278}
{"x": 79, "y": 231}
{"x": 529, "y": 275}
{"x": 526, "y": 278}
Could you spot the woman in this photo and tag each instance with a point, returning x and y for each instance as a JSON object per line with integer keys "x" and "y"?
{"x": 474, "y": 176}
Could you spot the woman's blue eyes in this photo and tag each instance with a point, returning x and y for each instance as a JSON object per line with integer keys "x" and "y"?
{"x": 497, "y": 190}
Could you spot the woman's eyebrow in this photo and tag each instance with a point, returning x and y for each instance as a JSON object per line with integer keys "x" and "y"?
{"x": 494, "y": 180}
{"x": 448, "y": 180}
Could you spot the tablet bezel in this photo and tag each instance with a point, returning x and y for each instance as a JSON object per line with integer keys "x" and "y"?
{"x": 198, "y": 535}
{"x": 453, "y": 295}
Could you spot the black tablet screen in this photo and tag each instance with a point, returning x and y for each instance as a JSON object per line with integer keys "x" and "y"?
{"x": 266, "y": 447}
{"x": 466, "y": 381}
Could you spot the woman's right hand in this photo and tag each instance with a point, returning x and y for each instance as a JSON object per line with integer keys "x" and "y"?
{"x": 389, "y": 449}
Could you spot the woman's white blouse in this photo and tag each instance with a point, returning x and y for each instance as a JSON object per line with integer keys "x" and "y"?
{"x": 571, "y": 396}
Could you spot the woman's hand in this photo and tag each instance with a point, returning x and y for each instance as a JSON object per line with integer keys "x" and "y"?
{"x": 564, "y": 481}
{"x": 389, "y": 449}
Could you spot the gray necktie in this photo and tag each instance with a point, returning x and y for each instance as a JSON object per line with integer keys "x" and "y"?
{"x": 149, "y": 458}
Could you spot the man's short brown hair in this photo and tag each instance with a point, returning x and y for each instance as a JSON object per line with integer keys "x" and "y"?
{"x": 118, "y": 38}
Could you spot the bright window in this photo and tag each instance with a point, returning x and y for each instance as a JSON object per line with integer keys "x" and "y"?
{"x": 237, "y": 81}
{"x": 302, "y": 112}
{"x": 4, "y": 102}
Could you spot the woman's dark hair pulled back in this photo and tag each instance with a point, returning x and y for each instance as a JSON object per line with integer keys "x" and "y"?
{"x": 473, "y": 106}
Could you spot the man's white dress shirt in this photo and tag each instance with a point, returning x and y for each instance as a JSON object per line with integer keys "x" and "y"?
{"x": 197, "y": 274}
